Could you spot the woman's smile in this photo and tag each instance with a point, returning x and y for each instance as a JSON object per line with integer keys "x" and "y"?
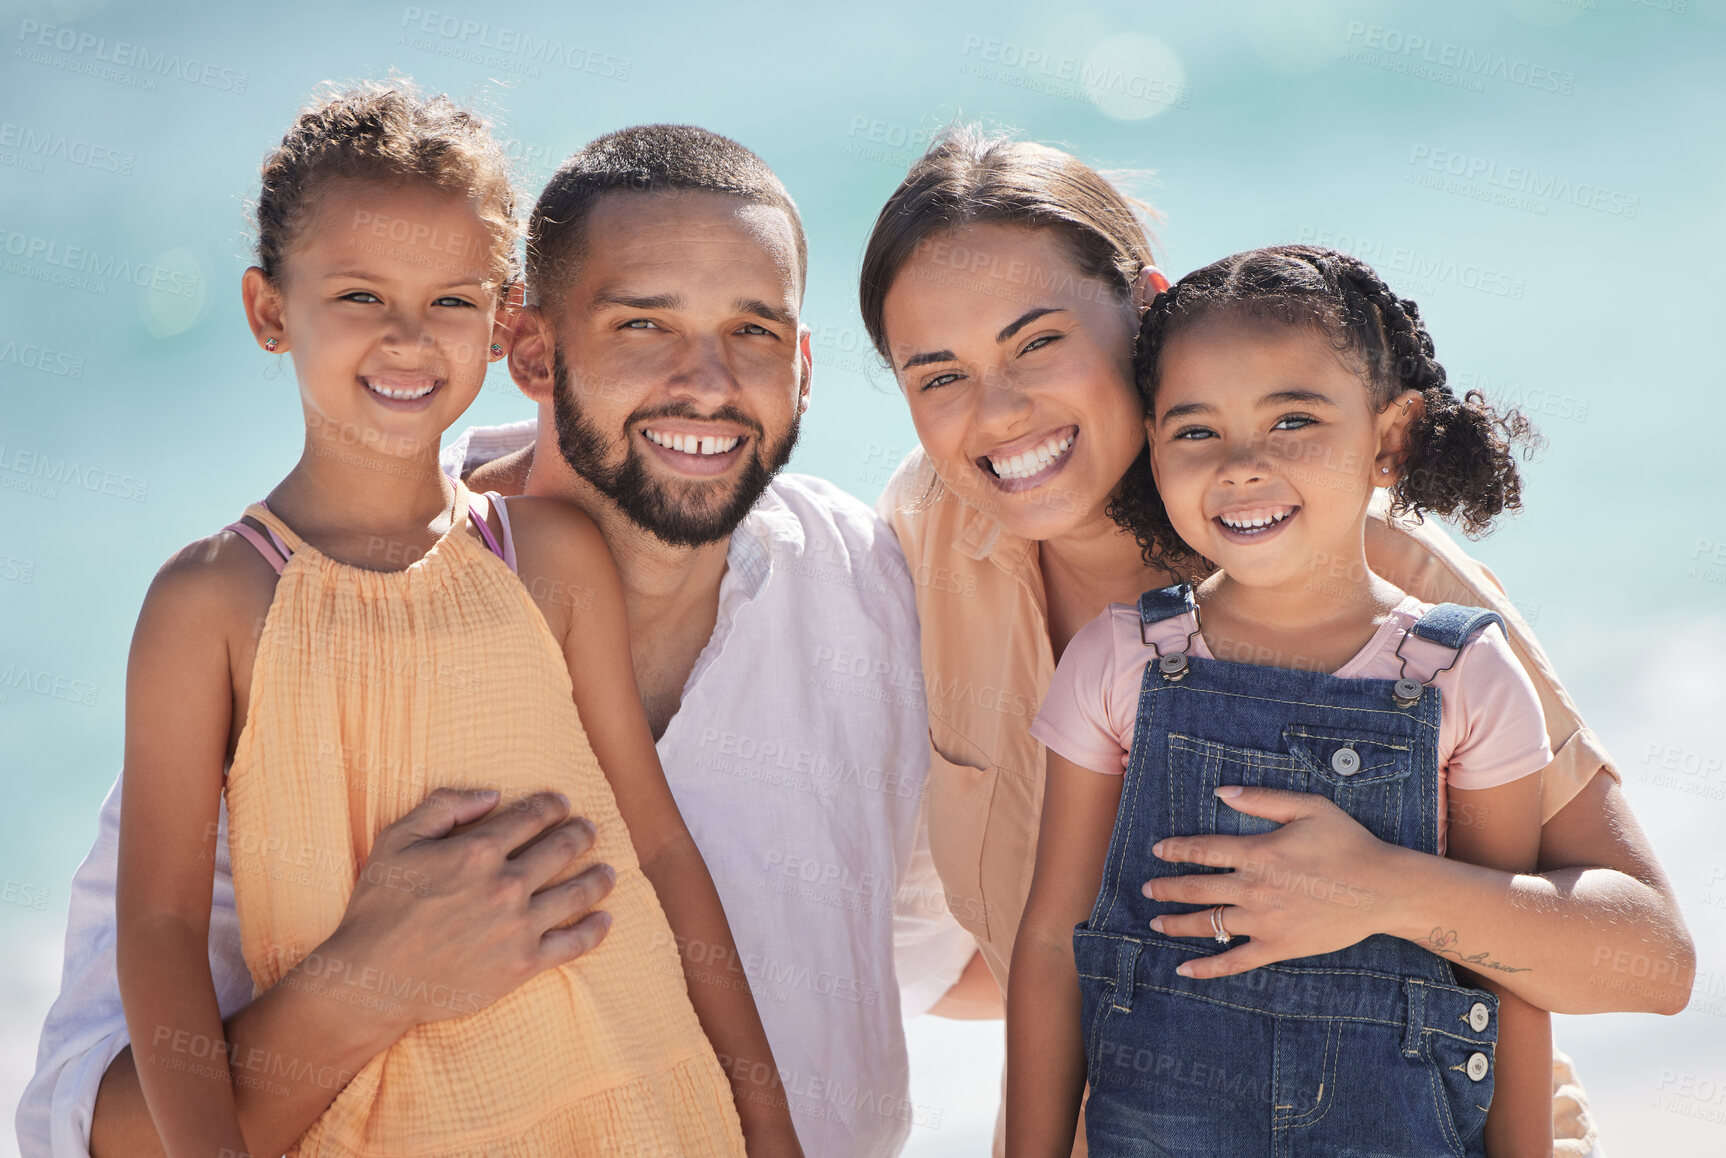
{"x": 1029, "y": 462}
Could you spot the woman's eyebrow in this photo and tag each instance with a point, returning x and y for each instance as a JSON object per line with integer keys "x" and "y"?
{"x": 925, "y": 359}
{"x": 1007, "y": 332}
{"x": 1024, "y": 320}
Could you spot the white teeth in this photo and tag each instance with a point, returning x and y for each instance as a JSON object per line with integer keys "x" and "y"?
{"x": 693, "y": 443}
{"x": 1256, "y": 523}
{"x": 404, "y": 395}
{"x": 1032, "y": 461}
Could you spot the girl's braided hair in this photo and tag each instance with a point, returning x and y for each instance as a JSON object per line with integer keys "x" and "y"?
{"x": 1460, "y": 460}
{"x": 385, "y": 132}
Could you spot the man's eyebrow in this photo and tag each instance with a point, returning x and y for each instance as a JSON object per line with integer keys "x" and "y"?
{"x": 762, "y": 310}
{"x": 925, "y": 359}
{"x": 1024, "y": 320}
{"x": 611, "y": 297}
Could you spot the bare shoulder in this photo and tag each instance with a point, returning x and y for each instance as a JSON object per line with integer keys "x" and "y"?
{"x": 555, "y": 530}
{"x": 562, "y": 560}
{"x": 217, "y": 583}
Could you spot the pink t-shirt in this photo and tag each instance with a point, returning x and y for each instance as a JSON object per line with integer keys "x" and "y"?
{"x": 1492, "y": 730}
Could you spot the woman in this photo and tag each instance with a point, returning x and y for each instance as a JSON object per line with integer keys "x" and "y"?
{"x": 1003, "y": 282}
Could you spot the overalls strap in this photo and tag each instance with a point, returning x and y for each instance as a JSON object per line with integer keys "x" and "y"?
{"x": 1165, "y": 603}
{"x": 1452, "y": 625}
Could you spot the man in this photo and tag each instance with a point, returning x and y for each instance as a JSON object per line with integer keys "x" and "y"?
{"x": 774, "y": 637}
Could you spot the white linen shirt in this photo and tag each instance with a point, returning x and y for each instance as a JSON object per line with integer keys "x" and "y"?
{"x": 797, "y": 758}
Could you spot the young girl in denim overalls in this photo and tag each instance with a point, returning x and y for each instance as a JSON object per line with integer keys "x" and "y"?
{"x": 1281, "y": 386}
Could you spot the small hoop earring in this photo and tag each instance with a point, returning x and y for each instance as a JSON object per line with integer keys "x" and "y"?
{"x": 270, "y": 344}
{"x": 496, "y": 350}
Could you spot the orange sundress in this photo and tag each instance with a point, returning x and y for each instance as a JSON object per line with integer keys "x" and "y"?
{"x": 369, "y": 690}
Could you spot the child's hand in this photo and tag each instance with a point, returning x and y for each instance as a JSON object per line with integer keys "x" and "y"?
{"x": 1315, "y": 885}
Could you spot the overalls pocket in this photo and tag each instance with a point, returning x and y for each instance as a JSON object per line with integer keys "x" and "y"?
{"x": 1364, "y": 774}
{"x": 1197, "y": 767}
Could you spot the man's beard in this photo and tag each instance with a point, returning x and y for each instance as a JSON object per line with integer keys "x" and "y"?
{"x": 694, "y": 518}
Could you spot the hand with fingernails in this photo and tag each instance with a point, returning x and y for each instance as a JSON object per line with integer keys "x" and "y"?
{"x": 1303, "y": 889}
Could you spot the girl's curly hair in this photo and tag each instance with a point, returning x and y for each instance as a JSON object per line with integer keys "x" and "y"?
{"x": 1460, "y": 459}
{"x": 385, "y": 132}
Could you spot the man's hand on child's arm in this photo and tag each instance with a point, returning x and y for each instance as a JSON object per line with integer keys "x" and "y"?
{"x": 474, "y": 924}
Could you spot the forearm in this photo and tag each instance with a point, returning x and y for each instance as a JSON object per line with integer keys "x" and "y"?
{"x": 1519, "y": 1124}
{"x": 1045, "y": 1049}
{"x": 1573, "y": 940}
{"x": 719, "y": 990}
{"x": 182, "y": 1060}
{"x": 290, "y": 1053}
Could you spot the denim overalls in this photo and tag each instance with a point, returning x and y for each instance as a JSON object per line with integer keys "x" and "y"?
{"x": 1373, "y": 1050}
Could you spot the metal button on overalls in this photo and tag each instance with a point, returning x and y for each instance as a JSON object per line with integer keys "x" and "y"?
{"x": 1478, "y": 1016}
{"x": 1345, "y": 761}
{"x": 1477, "y": 1066}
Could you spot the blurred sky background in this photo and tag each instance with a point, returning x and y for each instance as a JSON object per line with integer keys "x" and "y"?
{"x": 1544, "y": 176}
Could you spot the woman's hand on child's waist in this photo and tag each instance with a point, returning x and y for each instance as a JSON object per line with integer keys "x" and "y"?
{"x": 442, "y": 922}
{"x": 1315, "y": 885}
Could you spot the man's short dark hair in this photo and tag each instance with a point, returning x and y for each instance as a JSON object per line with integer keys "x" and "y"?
{"x": 643, "y": 159}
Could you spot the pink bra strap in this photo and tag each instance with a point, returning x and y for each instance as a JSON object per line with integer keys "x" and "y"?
{"x": 497, "y": 501}
{"x": 506, "y": 549}
{"x": 274, "y": 551}
{"x": 274, "y": 537}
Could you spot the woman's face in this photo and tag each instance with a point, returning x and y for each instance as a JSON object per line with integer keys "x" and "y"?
{"x": 1018, "y": 369}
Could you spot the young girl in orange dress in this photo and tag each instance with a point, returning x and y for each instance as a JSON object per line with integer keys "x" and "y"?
{"x": 372, "y": 631}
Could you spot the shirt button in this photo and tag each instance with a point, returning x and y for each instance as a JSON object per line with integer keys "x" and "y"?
{"x": 1345, "y": 761}
{"x": 1477, "y": 1066}
{"x": 1478, "y": 1016}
